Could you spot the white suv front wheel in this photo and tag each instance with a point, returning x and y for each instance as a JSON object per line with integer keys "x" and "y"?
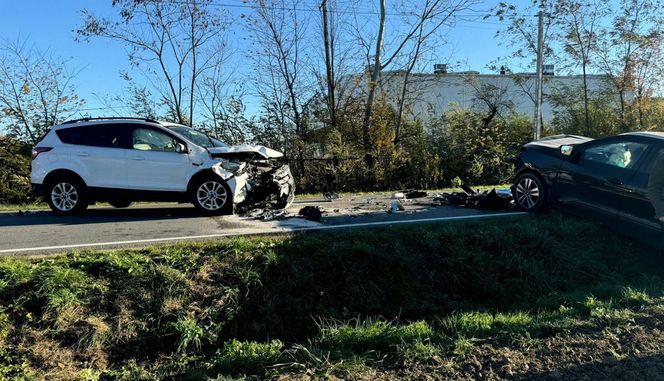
{"x": 212, "y": 196}
{"x": 66, "y": 196}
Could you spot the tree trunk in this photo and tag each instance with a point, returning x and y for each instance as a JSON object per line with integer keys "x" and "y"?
{"x": 585, "y": 99}
{"x": 193, "y": 64}
{"x": 404, "y": 89}
{"x": 366, "y": 124}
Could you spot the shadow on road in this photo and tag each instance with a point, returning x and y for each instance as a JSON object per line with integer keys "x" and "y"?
{"x": 102, "y": 215}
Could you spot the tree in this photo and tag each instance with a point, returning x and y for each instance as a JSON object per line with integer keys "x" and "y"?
{"x": 520, "y": 34}
{"x": 648, "y": 75}
{"x": 433, "y": 16}
{"x": 278, "y": 32}
{"x": 170, "y": 42}
{"x": 421, "y": 24}
{"x": 628, "y": 50}
{"x": 491, "y": 98}
{"x": 579, "y": 21}
{"x": 36, "y": 91}
{"x": 520, "y": 37}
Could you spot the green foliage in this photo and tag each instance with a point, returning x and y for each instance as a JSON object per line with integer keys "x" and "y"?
{"x": 368, "y": 335}
{"x": 476, "y": 151}
{"x": 191, "y": 334}
{"x": 463, "y": 346}
{"x": 247, "y": 356}
{"x": 635, "y": 297}
{"x": 569, "y": 115}
{"x": 14, "y": 172}
{"x": 420, "y": 352}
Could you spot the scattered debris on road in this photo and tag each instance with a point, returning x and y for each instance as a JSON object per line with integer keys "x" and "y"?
{"x": 311, "y": 213}
{"x": 407, "y": 201}
{"x": 330, "y": 196}
{"x": 412, "y": 194}
{"x": 493, "y": 199}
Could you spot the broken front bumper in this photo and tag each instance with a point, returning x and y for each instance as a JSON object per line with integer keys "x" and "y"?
{"x": 272, "y": 189}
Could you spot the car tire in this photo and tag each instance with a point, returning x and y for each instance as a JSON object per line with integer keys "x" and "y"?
{"x": 530, "y": 193}
{"x": 66, "y": 195}
{"x": 212, "y": 196}
{"x": 120, "y": 203}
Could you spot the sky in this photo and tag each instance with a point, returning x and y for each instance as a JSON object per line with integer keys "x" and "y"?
{"x": 50, "y": 25}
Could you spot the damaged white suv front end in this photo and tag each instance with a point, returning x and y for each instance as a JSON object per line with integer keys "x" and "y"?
{"x": 256, "y": 175}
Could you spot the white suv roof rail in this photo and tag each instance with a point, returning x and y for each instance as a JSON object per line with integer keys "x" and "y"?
{"x": 109, "y": 118}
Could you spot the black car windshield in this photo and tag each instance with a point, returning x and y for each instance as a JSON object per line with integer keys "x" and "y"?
{"x": 199, "y": 138}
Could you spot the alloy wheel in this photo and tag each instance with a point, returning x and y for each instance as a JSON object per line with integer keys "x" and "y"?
{"x": 527, "y": 193}
{"x": 64, "y": 197}
{"x": 211, "y": 195}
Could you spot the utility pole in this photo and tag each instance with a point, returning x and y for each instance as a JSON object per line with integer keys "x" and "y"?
{"x": 537, "y": 130}
{"x": 329, "y": 64}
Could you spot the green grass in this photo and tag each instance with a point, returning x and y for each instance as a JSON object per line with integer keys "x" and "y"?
{"x": 37, "y": 205}
{"x": 328, "y": 303}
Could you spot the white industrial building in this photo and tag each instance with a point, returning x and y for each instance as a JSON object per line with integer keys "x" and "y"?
{"x": 430, "y": 95}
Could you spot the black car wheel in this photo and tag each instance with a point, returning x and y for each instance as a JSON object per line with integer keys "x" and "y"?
{"x": 530, "y": 193}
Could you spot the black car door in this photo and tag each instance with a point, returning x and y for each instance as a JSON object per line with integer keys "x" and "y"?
{"x": 598, "y": 177}
{"x": 638, "y": 206}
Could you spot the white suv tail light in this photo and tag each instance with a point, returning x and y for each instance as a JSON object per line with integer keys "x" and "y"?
{"x": 37, "y": 150}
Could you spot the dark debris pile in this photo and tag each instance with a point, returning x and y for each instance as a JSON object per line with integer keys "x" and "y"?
{"x": 468, "y": 197}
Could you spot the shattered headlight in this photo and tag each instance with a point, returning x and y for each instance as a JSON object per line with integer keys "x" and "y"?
{"x": 233, "y": 166}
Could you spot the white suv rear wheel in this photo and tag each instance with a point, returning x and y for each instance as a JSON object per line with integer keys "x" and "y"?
{"x": 66, "y": 196}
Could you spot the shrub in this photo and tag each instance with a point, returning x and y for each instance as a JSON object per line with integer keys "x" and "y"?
{"x": 14, "y": 172}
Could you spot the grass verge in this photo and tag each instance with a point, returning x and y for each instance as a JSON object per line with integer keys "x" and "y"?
{"x": 381, "y": 303}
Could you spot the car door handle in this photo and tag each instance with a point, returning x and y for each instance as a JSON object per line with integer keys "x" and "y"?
{"x": 615, "y": 181}
{"x": 137, "y": 158}
{"x": 82, "y": 153}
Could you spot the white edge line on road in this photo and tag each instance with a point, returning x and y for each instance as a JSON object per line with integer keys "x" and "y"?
{"x": 278, "y": 231}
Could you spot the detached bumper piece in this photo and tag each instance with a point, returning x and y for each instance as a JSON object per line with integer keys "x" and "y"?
{"x": 272, "y": 189}
{"x": 492, "y": 200}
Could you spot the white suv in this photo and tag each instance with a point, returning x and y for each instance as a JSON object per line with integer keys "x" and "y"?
{"x": 121, "y": 160}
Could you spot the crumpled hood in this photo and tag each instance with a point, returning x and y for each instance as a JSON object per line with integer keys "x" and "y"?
{"x": 559, "y": 140}
{"x": 266, "y": 153}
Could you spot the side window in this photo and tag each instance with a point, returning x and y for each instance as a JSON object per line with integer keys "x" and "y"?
{"x": 74, "y": 135}
{"x": 147, "y": 139}
{"x": 101, "y": 135}
{"x": 619, "y": 154}
{"x": 657, "y": 155}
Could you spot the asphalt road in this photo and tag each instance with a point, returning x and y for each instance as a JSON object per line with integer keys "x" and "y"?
{"x": 41, "y": 232}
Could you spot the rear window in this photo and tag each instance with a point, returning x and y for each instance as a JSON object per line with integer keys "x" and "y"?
{"x": 102, "y": 135}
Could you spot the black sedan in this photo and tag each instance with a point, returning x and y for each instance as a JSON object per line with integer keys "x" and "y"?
{"x": 607, "y": 178}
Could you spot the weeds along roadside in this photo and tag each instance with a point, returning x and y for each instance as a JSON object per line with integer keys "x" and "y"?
{"x": 378, "y": 298}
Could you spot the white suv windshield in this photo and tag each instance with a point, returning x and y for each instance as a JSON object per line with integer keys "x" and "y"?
{"x": 199, "y": 138}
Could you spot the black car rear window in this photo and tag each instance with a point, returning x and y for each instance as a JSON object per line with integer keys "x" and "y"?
{"x": 102, "y": 135}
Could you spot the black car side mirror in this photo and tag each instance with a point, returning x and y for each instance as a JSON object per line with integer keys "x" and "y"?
{"x": 180, "y": 148}
{"x": 567, "y": 150}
